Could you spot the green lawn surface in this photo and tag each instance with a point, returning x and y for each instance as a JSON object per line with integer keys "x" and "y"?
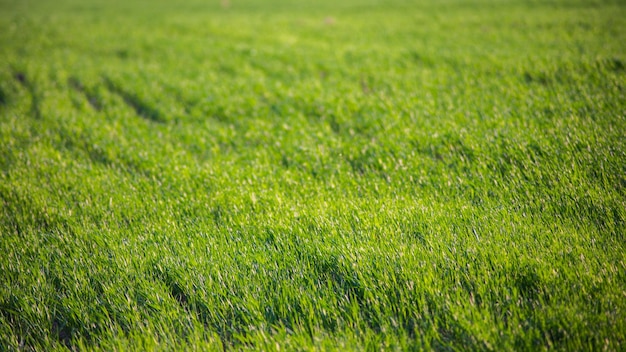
{"x": 313, "y": 175}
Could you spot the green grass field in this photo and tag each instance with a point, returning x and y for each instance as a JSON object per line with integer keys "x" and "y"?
{"x": 313, "y": 175}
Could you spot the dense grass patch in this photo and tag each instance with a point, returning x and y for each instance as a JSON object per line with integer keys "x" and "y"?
{"x": 289, "y": 175}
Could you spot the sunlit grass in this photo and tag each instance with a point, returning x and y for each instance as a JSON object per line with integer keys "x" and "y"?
{"x": 283, "y": 175}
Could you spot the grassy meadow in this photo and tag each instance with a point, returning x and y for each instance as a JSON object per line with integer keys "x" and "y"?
{"x": 313, "y": 175}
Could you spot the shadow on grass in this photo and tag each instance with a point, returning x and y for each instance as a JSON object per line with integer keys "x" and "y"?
{"x": 142, "y": 108}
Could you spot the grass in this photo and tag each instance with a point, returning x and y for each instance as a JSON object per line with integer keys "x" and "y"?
{"x": 363, "y": 175}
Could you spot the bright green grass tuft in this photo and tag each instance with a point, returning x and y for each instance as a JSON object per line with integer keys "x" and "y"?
{"x": 446, "y": 175}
